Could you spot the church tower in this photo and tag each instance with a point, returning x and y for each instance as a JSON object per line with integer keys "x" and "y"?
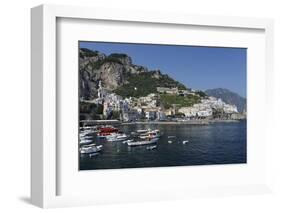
{"x": 100, "y": 90}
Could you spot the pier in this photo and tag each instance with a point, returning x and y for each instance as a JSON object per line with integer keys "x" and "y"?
{"x": 99, "y": 122}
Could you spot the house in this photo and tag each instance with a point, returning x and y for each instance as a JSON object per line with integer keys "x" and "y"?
{"x": 168, "y": 90}
{"x": 131, "y": 115}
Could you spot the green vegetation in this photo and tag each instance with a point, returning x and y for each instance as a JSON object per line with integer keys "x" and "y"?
{"x": 90, "y": 110}
{"x": 144, "y": 83}
{"x": 87, "y": 107}
{"x": 116, "y": 115}
{"x": 168, "y": 100}
{"x": 87, "y": 53}
{"x": 117, "y": 55}
{"x": 99, "y": 109}
{"x": 201, "y": 94}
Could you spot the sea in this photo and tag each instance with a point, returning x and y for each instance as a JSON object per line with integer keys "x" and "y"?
{"x": 208, "y": 144}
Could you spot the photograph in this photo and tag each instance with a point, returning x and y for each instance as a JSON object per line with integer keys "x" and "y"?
{"x": 160, "y": 105}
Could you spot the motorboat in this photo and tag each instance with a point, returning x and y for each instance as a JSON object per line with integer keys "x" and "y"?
{"x": 151, "y": 147}
{"x": 142, "y": 142}
{"x": 116, "y": 137}
{"x": 85, "y": 141}
{"x": 107, "y": 131}
{"x": 126, "y": 141}
{"x": 151, "y": 134}
{"x": 184, "y": 142}
{"x": 141, "y": 131}
{"x": 90, "y": 149}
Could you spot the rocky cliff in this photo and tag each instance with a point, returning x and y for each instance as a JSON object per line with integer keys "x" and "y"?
{"x": 117, "y": 73}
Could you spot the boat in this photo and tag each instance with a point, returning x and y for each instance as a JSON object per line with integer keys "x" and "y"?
{"x": 90, "y": 149}
{"x": 151, "y": 147}
{"x": 151, "y": 134}
{"x": 170, "y": 142}
{"x": 144, "y": 142}
{"x": 84, "y": 133}
{"x": 116, "y": 137}
{"x": 85, "y": 141}
{"x": 109, "y": 129}
{"x": 184, "y": 142}
{"x": 171, "y": 136}
{"x": 85, "y": 137}
{"x": 126, "y": 141}
{"x": 106, "y": 131}
{"x": 140, "y": 131}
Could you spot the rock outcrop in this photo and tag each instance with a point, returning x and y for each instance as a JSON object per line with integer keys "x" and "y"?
{"x": 114, "y": 70}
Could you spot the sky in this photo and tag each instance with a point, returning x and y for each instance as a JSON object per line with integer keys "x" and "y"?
{"x": 196, "y": 67}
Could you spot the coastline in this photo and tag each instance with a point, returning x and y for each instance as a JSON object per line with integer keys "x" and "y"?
{"x": 190, "y": 122}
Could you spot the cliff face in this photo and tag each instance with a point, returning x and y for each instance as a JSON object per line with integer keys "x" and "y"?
{"x": 228, "y": 97}
{"x": 116, "y": 71}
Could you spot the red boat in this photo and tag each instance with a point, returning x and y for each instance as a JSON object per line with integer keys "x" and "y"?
{"x": 105, "y": 131}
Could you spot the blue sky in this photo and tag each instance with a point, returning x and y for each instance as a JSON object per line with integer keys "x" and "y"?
{"x": 196, "y": 67}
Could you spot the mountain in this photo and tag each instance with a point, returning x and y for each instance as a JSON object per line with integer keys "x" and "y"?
{"x": 118, "y": 74}
{"x": 228, "y": 97}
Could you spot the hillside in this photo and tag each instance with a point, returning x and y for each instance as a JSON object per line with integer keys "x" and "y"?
{"x": 118, "y": 74}
{"x": 228, "y": 97}
{"x": 145, "y": 83}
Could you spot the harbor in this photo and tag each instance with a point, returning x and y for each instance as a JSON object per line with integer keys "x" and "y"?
{"x": 138, "y": 111}
{"x": 133, "y": 145}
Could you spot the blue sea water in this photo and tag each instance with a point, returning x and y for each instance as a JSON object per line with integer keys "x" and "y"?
{"x": 216, "y": 143}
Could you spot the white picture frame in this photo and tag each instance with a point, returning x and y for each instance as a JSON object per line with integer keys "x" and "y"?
{"x": 44, "y": 154}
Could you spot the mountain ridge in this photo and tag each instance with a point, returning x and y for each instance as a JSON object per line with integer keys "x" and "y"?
{"x": 229, "y": 97}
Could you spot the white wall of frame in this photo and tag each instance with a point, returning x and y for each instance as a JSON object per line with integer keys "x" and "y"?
{"x": 15, "y": 89}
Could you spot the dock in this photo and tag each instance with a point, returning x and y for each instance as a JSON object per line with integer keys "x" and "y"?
{"x": 99, "y": 122}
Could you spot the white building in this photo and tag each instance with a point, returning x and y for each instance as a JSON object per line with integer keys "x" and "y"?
{"x": 206, "y": 107}
{"x": 167, "y": 90}
{"x": 131, "y": 115}
{"x": 160, "y": 116}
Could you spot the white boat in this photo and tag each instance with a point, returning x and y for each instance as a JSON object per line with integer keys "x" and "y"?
{"x": 184, "y": 142}
{"x": 170, "y": 142}
{"x": 126, "y": 141}
{"x": 90, "y": 149}
{"x": 85, "y": 137}
{"x": 144, "y": 142}
{"x": 143, "y": 131}
{"x": 85, "y": 141}
{"x": 151, "y": 147}
{"x": 116, "y": 137}
{"x": 151, "y": 134}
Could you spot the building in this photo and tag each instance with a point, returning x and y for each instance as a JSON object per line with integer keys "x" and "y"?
{"x": 148, "y": 101}
{"x": 131, "y": 115}
{"x": 206, "y": 108}
{"x": 160, "y": 115}
{"x": 168, "y": 90}
{"x": 101, "y": 91}
{"x": 150, "y": 115}
{"x": 189, "y": 112}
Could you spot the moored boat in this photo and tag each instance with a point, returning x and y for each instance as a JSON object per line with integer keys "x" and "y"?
{"x": 144, "y": 142}
{"x": 90, "y": 149}
{"x": 116, "y": 137}
{"x": 140, "y": 131}
{"x": 151, "y": 147}
{"x": 85, "y": 141}
{"x": 107, "y": 131}
{"x": 151, "y": 134}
